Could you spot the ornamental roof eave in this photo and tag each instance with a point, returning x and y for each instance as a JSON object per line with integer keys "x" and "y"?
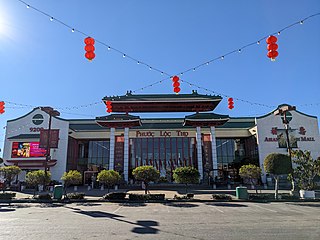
{"x": 163, "y": 103}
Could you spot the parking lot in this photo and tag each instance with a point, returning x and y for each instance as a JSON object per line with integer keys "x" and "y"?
{"x": 183, "y": 220}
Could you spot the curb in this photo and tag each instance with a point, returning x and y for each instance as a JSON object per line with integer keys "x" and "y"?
{"x": 151, "y": 201}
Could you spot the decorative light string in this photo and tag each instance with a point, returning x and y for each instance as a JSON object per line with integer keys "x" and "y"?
{"x": 139, "y": 62}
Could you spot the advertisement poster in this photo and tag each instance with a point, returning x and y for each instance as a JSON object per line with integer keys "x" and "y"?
{"x": 282, "y": 138}
{"x": 27, "y": 150}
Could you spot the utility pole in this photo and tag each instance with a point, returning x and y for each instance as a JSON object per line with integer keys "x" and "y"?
{"x": 282, "y": 111}
{"x": 52, "y": 113}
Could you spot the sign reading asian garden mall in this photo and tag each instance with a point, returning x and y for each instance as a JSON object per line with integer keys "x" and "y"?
{"x": 163, "y": 133}
{"x": 295, "y": 135}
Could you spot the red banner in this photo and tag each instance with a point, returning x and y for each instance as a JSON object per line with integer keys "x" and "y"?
{"x": 54, "y": 138}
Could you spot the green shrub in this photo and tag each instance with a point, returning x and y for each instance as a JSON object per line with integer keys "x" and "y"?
{"x": 75, "y": 195}
{"x": 145, "y": 197}
{"x": 45, "y": 196}
{"x": 163, "y": 179}
{"x": 261, "y": 196}
{"x": 115, "y": 196}
{"x": 190, "y": 195}
{"x": 221, "y": 197}
{"x": 160, "y": 196}
{"x": 137, "y": 197}
{"x": 7, "y": 195}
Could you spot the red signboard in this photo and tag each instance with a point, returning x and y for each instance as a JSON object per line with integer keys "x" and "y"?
{"x": 54, "y": 138}
{"x": 27, "y": 150}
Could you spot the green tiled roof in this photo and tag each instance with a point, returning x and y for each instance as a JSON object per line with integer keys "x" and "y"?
{"x": 164, "y": 123}
{"x": 206, "y": 116}
{"x": 86, "y": 127}
{"x": 239, "y": 123}
{"x": 25, "y": 136}
{"x": 118, "y": 117}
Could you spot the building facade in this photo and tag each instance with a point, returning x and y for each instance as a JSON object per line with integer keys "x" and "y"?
{"x": 217, "y": 145}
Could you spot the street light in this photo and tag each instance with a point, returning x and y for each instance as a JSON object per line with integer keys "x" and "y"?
{"x": 282, "y": 111}
{"x": 52, "y": 113}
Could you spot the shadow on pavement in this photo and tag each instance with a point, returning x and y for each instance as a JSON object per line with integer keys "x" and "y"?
{"x": 141, "y": 226}
{"x": 128, "y": 204}
{"x": 316, "y": 205}
{"x": 222, "y": 204}
{"x": 181, "y": 205}
{"x": 7, "y": 209}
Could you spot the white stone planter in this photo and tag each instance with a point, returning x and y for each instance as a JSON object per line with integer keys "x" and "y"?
{"x": 307, "y": 194}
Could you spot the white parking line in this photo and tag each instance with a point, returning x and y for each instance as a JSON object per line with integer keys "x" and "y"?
{"x": 216, "y": 208}
{"x": 264, "y": 208}
{"x": 117, "y": 209}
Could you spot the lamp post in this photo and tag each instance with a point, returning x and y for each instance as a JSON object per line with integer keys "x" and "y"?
{"x": 282, "y": 111}
{"x": 52, "y": 113}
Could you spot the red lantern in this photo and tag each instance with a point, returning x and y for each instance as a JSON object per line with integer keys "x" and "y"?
{"x": 109, "y": 106}
{"x": 89, "y": 40}
{"x": 176, "y": 84}
{"x": 89, "y": 48}
{"x": 272, "y": 54}
{"x": 271, "y": 39}
{"x": 2, "y": 107}
{"x": 176, "y": 89}
{"x": 272, "y": 47}
{"x": 230, "y": 103}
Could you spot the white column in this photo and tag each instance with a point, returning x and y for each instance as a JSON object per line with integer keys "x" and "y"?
{"x": 214, "y": 151}
{"x": 112, "y": 145}
{"x": 126, "y": 155}
{"x": 199, "y": 152}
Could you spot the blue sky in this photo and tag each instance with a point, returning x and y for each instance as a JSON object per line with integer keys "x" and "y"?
{"x": 42, "y": 63}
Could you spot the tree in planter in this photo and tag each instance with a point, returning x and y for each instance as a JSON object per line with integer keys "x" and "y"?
{"x": 186, "y": 175}
{"x": 250, "y": 172}
{"x": 72, "y": 177}
{"x": 108, "y": 178}
{"x": 146, "y": 174}
{"x": 9, "y": 173}
{"x": 277, "y": 164}
{"x": 306, "y": 169}
{"x": 36, "y": 178}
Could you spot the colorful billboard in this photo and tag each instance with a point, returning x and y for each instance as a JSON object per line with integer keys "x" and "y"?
{"x": 27, "y": 150}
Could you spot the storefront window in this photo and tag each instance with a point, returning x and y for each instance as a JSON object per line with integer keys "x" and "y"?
{"x": 162, "y": 153}
{"x": 98, "y": 154}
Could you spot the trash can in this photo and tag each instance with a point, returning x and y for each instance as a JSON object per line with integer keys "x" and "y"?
{"x": 242, "y": 192}
{"x": 57, "y": 192}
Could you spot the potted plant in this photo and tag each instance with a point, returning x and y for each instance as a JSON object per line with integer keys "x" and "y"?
{"x": 306, "y": 170}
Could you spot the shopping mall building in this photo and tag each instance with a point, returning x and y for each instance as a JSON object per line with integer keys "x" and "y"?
{"x": 217, "y": 145}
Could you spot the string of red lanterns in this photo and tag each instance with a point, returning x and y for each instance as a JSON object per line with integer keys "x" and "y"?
{"x": 176, "y": 84}
{"x": 2, "y": 107}
{"x": 230, "y": 103}
{"x": 109, "y": 106}
{"x": 89, "y": 48}
{"x": 272, "y": 47}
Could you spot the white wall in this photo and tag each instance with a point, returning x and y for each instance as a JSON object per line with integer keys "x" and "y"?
{"x": 23, "y": 124}
{"x": 310, "y": 141}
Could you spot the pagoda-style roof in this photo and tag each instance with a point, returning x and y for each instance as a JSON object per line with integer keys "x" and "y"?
{"x": 163, "y": 102}
{"x": 205, "y": 119}
{"x": 118, "y": 120}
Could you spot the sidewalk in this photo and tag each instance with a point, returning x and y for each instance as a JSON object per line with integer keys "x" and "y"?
{"x": 202, "y": 194}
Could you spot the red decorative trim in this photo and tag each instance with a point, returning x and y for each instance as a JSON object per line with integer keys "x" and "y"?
{"x": 26, "y": 163}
